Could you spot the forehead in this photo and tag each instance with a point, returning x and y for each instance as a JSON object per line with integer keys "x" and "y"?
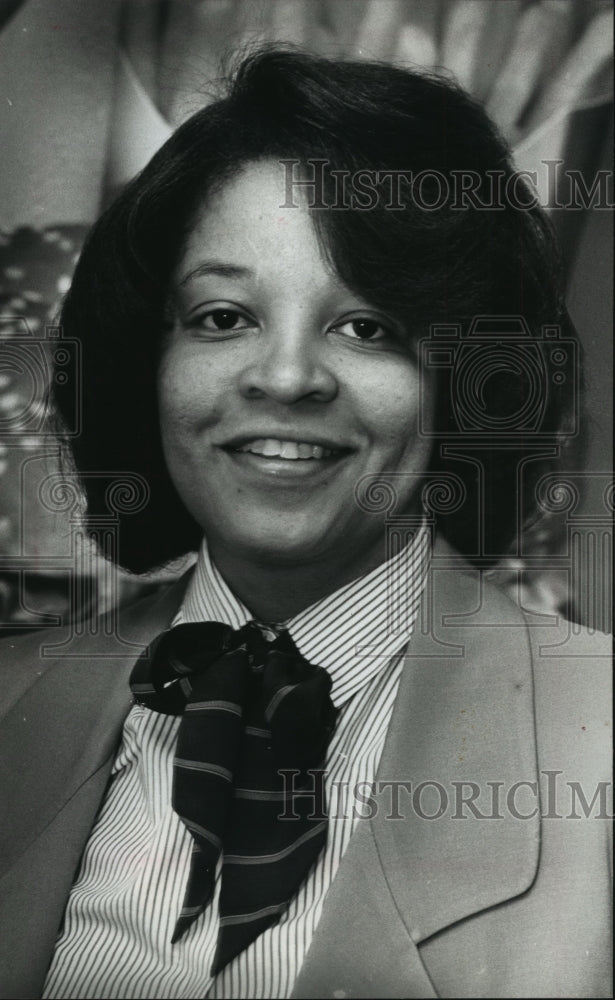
{"x": 245, "y": 222}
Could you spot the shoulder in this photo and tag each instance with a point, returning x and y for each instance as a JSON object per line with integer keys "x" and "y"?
{"x": 573, "y": 696}
{"x": 114, "y": 637}
{"x": 23, "y": 662}
{"x": 570, "y": 666}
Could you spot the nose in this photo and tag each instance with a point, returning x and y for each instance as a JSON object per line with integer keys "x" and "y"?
{"x": 288, "y": 365}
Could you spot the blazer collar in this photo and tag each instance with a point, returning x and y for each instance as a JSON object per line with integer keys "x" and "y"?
{"x": 463, "y": 725}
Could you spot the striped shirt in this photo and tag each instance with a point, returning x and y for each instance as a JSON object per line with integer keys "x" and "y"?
{"x": 115, "y": 941}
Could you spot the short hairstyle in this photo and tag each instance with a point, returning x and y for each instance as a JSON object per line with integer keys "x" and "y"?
{"x": 435, "y": 263}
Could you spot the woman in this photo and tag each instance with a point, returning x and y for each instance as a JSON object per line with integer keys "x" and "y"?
{"x": 325, "y": 301}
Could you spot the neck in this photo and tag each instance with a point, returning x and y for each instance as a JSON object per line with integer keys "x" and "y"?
{"x": 275, "y": 593}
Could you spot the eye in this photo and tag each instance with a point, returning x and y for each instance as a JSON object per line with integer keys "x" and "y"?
{"x": 221, "y": 320}
{"x": 364, "y": 328}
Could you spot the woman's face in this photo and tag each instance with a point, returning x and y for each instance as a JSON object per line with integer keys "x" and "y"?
{"x": 280, "y": 388}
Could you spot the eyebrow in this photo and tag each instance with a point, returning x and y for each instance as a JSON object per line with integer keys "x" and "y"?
{"x": 219, "y": 268}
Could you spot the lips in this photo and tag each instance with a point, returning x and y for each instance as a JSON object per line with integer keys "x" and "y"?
{"x": 287, "y": 449}
{"x": 291, "y": 450}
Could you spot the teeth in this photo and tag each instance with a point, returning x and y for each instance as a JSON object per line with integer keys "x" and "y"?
{"x": 291, "y": 450}
{"x": 270, "y": 448}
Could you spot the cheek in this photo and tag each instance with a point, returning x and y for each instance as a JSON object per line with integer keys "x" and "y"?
{"x": 187, "y": 395}
{"x": 391, "y": 406}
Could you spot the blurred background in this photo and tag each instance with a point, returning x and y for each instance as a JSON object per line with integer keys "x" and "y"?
{"x": 89, "y": 89}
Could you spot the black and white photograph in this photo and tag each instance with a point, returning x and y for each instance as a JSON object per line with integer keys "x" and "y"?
{"x": 306, "y": 499}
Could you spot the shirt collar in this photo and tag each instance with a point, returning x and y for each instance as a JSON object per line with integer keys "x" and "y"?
{"x": 353, "y": 632}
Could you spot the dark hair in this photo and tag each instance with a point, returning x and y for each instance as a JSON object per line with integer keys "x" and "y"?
{"x": 445, "y": 265}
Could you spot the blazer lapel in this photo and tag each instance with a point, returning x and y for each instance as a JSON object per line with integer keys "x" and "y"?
{"x": 57, "y": 745}
{"x": 361, "y": 947}
{"x": 462, "y": 728}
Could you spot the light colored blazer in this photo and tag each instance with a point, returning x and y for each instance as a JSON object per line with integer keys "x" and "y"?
{"x": 458, "y": 905}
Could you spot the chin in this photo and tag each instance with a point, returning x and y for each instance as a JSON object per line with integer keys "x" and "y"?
{"x": 277, "y": 543}
{"x": 282, "y": 551}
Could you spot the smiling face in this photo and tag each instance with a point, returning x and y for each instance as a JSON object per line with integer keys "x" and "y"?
{"x": 279, "y": 389}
